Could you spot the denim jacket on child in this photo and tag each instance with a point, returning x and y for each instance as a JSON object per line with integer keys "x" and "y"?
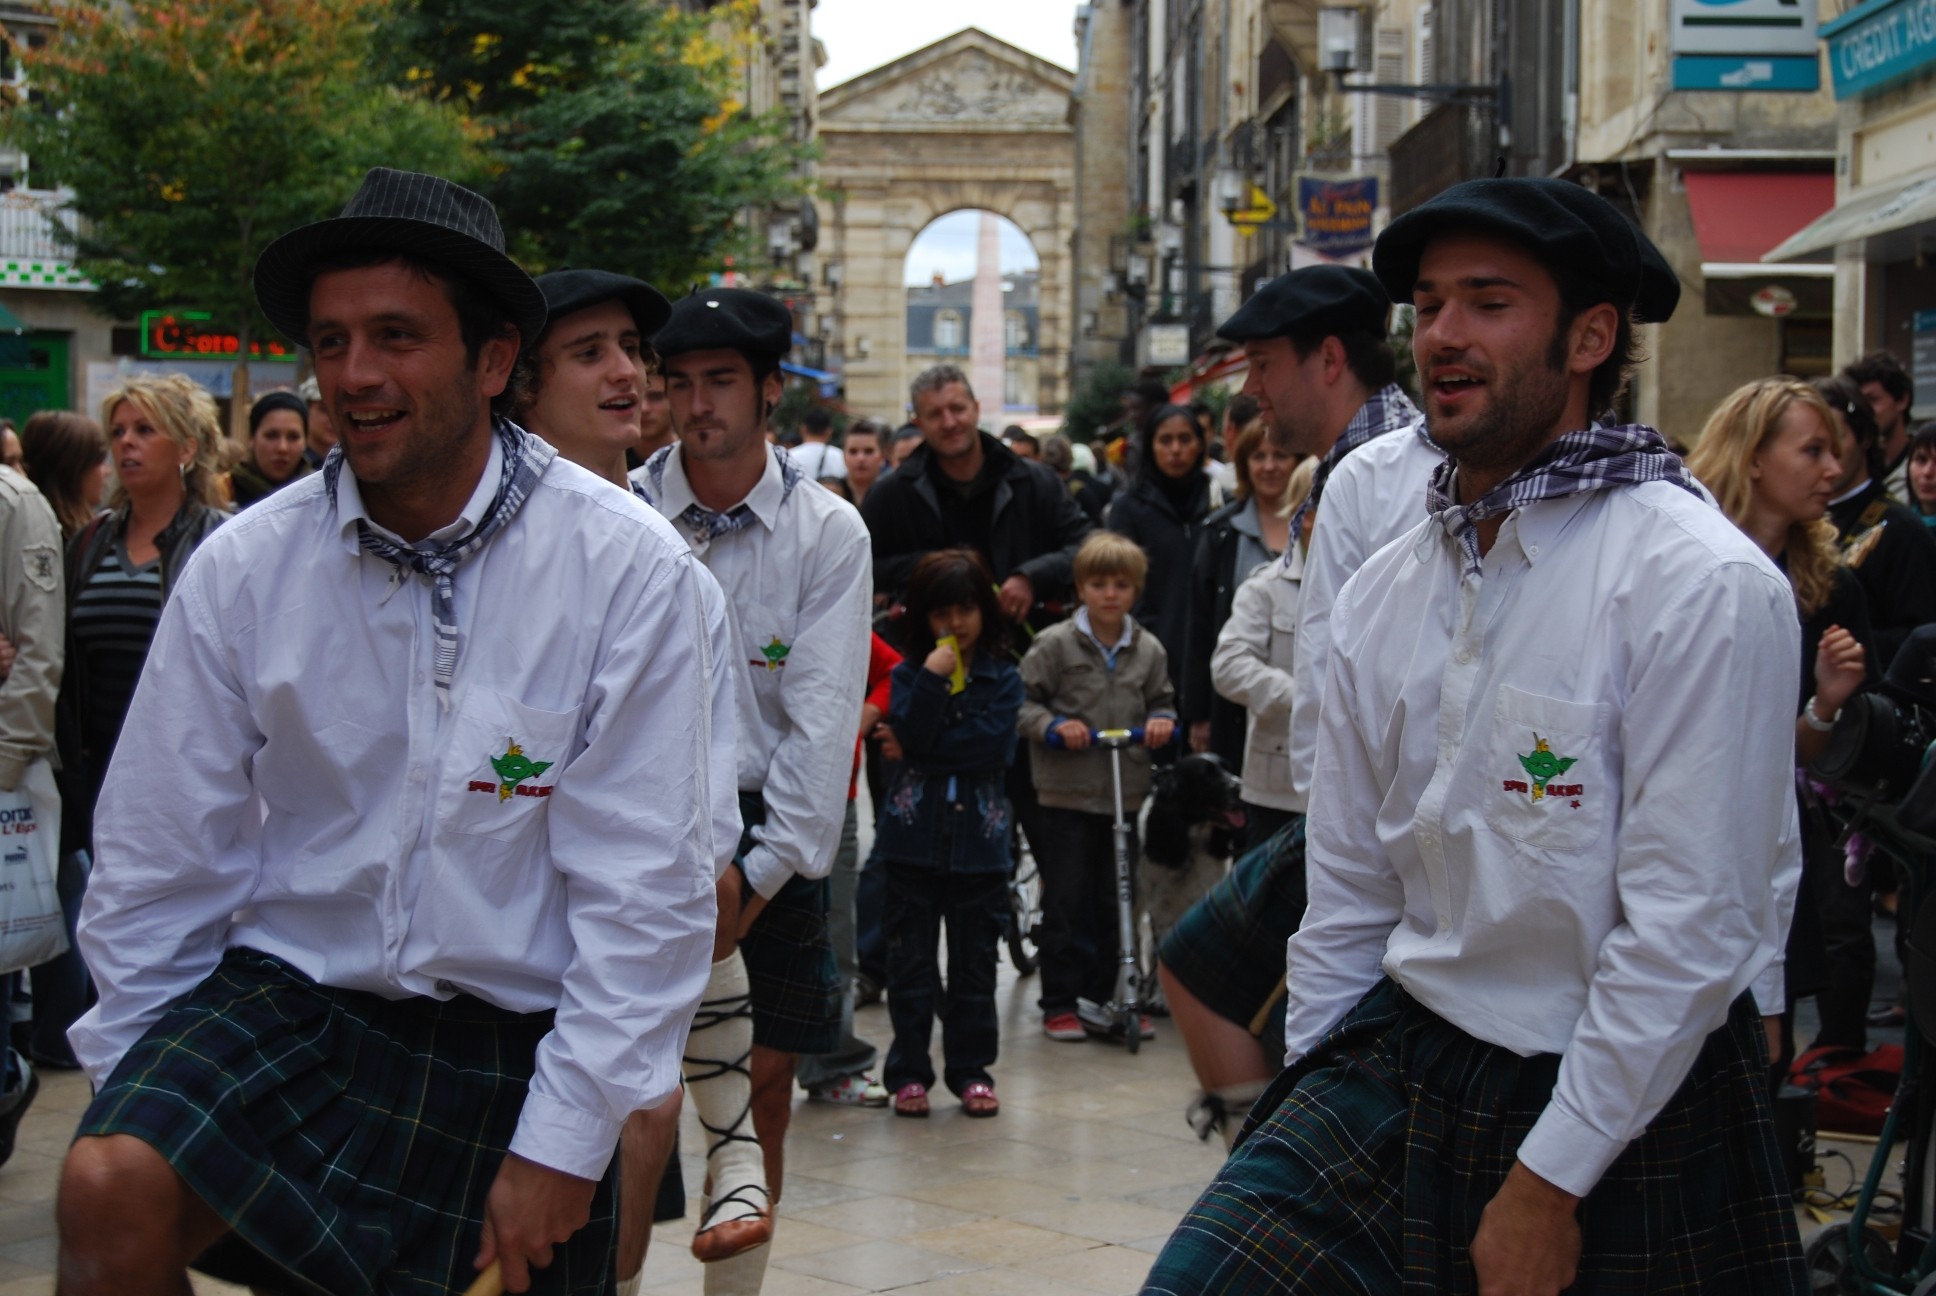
{"x": 946, "y": 809}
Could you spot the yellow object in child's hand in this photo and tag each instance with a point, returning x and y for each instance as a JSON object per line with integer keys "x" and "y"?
{"x": 958, "y": 677}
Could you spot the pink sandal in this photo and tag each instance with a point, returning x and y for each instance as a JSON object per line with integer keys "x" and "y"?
{"x": 911, "y": 1100}
{"x": 980, "y": 1100}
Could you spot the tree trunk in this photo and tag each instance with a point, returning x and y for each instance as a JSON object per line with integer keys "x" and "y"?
{"x": 240, "y": 397}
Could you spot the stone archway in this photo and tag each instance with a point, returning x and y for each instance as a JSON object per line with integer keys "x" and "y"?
{"x": 969, "y": 121}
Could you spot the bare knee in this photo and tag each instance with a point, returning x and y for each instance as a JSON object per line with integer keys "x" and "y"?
{"x": 124, "y": 1211}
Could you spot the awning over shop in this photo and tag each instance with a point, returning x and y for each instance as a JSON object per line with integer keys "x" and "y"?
{"x": 829, "y": 383}
{"x": 1740, "y": 215}
{"x": 1883, "y": 219}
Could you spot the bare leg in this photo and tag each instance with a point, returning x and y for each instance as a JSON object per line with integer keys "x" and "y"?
{"x": 129, "y": 1226}
{"x": 773, "y": 1109}
{"x": 1229, "y": 1062}
{"x": 644, "y": 1145}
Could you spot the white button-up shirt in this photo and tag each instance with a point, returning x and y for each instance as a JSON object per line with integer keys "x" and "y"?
{"x": 799, "y": 582}
{"x": 1375, "y": 495}
{"x": 1555, "y": 802}
{"x": 289, "y": 780}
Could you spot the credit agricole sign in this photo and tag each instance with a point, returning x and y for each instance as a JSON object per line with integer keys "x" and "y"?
{"x": 1880, "y": 42}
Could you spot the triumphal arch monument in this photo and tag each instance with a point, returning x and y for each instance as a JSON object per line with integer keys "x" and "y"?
{"x": 968, "y": 122}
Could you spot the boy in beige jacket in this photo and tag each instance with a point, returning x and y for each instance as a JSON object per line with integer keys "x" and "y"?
{"x": 1098, "y": 670}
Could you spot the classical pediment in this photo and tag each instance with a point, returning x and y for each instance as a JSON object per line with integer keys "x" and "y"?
{"x": 968, "y": 81}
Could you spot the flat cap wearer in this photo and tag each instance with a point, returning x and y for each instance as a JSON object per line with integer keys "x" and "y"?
{"x": 1321, "y": 300}
{"x": 410, "y": 214}
{"x": 566, "y": 291}
{"x": 1571, "y": 229}
{"x": 727, "y": 319}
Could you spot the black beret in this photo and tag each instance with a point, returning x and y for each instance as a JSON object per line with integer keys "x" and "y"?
{"x": 566, "y": 291}
{"x": 1569, "y": 228}
{"x": 727, "y": 319}
{"x": 1324, "y": 300}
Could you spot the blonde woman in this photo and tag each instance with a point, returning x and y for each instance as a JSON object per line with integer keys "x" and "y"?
{"x": 1770, "y": 453}
{"x": 162, "y": 433}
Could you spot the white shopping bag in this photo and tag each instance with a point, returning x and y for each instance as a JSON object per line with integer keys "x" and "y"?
{"x": 31, "y": 928}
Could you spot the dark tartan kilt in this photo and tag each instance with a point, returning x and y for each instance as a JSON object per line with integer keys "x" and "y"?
{"x": 789, "y": 953}
{"x": 1365, "y": 1166}
{"x": 1228, "y": 948}
{"x": 348, "y": 1140}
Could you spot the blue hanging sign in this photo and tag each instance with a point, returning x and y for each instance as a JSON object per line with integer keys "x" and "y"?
{"x": 1336, "y": 214}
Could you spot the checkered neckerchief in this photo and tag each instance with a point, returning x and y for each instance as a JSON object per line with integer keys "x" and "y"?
{"x": 708, "y": 524}
{"x": 1387, "y": 409}
{"x": 525, "y": 457}
{"x": 1596, "y": 458}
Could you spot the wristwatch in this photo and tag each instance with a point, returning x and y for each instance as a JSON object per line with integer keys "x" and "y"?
{"x": 1815, "y": 722}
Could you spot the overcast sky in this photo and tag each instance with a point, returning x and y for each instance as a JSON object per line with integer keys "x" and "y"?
{"x": 860, "y": 35}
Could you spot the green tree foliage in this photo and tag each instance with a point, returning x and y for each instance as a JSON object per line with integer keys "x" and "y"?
{"x": 1096, "y": 401}
{"x": 612, "y": 130}
{"x": 193, "y": 134}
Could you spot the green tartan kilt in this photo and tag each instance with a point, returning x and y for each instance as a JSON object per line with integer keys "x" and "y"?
{"x": 348, "y": 1140}
{"x": 1365, "y": 1166}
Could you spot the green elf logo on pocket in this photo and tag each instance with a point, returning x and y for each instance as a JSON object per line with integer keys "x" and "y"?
{"x": 774, "y": 655}
{"x": 512, "y": 769}
{"x": 1542, "y": 766}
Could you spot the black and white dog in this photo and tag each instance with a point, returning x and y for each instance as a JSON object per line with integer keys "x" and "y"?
{"x": 1192, "y": 822}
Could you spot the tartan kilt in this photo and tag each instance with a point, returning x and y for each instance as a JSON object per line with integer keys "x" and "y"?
{"x": 1228, "y": 948}
{"x": 1365, "y": 1166}
{"x": 789, "y": 953}
{"x": 348, "y": 1140}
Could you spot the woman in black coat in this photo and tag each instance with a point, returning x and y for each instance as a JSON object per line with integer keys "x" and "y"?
{"x": 1164, "y": 509}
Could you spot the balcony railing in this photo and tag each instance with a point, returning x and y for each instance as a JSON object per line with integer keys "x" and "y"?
{"x": 31, "y": 255}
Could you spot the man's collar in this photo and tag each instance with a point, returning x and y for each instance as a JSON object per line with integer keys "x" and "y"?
{"x": 1852, "y": 492}
{"x": 350, "y": 509}
{"x": 764, "y": 499}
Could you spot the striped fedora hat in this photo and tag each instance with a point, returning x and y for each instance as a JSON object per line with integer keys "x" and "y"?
{"x": 404, "y": 212}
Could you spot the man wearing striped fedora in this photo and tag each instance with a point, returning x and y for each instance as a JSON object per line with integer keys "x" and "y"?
{"x": 390, "y": 934}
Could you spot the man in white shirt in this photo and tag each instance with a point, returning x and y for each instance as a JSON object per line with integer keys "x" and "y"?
{"x": 405, "y": 888}
{"x": 1551, "y": 818}
{"x": 1321, "y": 372}
{"x": 817, "y": 456}
{"x": 796, "y": 567}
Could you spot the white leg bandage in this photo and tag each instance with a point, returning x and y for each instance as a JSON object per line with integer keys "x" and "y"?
{"x": 630, "y": 1286}
{"x": 719, "y": 1083}
{"x": 1222, "y": 1111}
{"x": 740, "y": 1275}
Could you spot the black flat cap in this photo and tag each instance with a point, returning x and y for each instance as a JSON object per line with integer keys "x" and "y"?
{"x": 566, "y": 291}
{"x": 1569, "y": 228}
{"x": 408, "y": 213}
{"x": 727, "y": 319}
{"x": 1325, "y": 300}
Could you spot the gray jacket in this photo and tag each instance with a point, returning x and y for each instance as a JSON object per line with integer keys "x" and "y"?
{"x": 1066, "y": 676}
{"x": 1252, "y": 667}
{"x": 33, "y": 616}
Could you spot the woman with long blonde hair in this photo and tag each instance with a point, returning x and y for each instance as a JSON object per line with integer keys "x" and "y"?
{"x": 1770, "y": 453}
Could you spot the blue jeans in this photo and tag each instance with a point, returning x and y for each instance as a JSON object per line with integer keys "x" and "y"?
{"x": 855, "y": 1055}
{"x": 973, "y": 906}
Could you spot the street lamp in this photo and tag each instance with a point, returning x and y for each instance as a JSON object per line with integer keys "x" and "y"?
{"x": 1341, "y": 53}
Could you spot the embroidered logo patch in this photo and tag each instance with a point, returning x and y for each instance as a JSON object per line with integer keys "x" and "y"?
{"x": 1542, "y": 766}
{"x": 512, "y": 769}
{"x": 774, "y": 655}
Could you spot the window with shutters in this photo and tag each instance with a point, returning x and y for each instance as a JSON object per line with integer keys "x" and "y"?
{"x": 947, "y": 330}
{"x": 1426, "y": 72}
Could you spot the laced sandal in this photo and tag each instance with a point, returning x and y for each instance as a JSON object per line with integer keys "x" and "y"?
{"x": 911, "y": 1100}
{"x": 740, "y": 1217}
{"x": 979, "y": 1100}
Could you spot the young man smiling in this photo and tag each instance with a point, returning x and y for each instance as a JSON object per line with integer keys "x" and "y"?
{"x": 401, "y": 937}
{"x": 1552, "y": 833}
{"x": 582, "y": 384}
{"x": 793, "y": 561}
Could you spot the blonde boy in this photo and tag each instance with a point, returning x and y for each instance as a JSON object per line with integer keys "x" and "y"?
{"x": 1098, "y": 670}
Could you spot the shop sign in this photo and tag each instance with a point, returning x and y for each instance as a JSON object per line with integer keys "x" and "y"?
{"x": 1922, "y": 350}
{"x": 1745, "y": 45}
{"x": 1774, "y": 301}
{"x": 1168, "y": 344}
{"x": 1336, "y": 214}
{"x": 1880, "y": 42}
{"x": 186, "y": 335}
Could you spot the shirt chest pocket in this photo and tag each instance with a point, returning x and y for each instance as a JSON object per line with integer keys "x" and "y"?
{"x": 1547, "y": 784}
{"x": 766, "y": 644}
{"x": 500, "y": 765}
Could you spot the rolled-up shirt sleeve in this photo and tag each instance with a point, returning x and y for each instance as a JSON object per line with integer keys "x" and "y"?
{"x": 826, "y": 677}
{"x": 631, "y": 828}
{"x": 1705, "y": 851}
